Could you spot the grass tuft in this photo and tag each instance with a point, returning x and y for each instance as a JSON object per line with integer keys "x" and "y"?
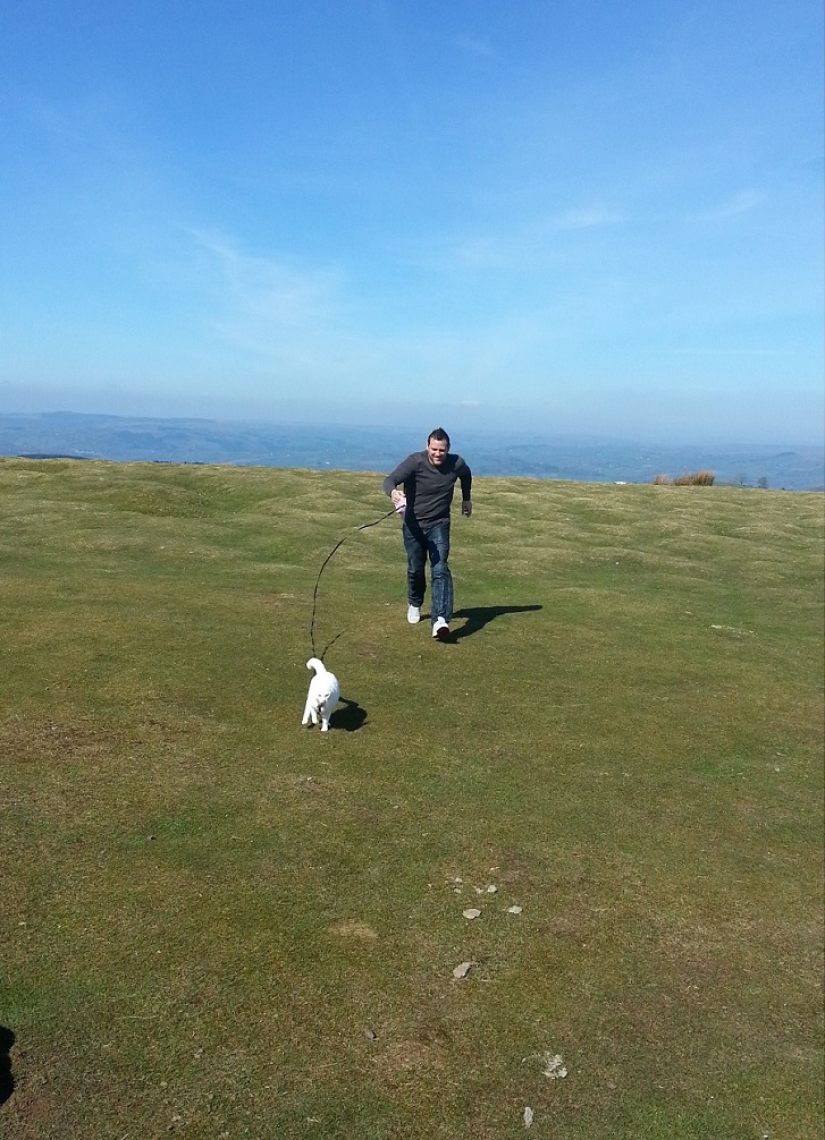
{"x": 699, "y": 479}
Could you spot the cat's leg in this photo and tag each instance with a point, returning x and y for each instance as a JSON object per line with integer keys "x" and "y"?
{"x": 325, "y": 711}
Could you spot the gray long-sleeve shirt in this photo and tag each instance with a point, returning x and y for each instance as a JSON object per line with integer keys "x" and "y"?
{"x": 429, "y": 489}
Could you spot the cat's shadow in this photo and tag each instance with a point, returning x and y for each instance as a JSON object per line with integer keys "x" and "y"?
{"x": 350, "y": 718}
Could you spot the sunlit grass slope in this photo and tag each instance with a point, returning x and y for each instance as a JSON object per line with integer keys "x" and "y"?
{"x": 216, "y": 924}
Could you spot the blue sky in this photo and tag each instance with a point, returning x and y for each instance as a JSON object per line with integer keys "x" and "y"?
{"x": 584, "y": 218}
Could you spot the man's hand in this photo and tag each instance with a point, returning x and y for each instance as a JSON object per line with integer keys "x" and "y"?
{"x": 466, "y": 508}
{"x": 396, "y": 497}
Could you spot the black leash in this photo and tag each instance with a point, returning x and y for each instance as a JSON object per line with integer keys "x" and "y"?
{"x": 366, "y": 526}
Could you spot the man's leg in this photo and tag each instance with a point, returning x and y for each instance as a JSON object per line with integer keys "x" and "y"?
{"x": 438, "y": 548}
{"x": 416, "y": 548}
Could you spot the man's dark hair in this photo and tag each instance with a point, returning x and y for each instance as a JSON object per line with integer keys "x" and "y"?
{"x": 439, "y": 434}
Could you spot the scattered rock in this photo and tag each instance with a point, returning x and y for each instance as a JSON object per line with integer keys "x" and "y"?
{"x": 370, "y": 1034}
{"x": 462, "y": 970}
{"x": 471, "y": 912}
{"x": 554, "y": 1067}
{"x": 491, "y": 890}
{"x": 514, "y": 909}
{"x": 528, "y": 1117}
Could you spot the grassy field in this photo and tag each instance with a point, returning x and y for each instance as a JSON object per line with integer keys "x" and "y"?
{"x": 218, "y": 924}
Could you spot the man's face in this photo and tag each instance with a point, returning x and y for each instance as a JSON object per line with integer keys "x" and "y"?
{"x": 437, "y": 451}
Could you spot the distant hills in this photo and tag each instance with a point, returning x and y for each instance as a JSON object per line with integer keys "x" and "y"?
{"x": 131, "y": 439}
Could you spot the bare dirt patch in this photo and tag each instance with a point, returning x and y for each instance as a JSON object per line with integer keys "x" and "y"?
{"x": 352, "y": 928}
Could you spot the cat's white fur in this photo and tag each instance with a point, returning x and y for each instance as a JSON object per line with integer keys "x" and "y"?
{"x": 324, "y": 694}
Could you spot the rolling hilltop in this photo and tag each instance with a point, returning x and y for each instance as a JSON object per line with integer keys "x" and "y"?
{"x": 568, "y": 861}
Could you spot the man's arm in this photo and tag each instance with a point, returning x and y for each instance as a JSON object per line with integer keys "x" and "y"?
{"x": 400, "y": 475}
{"x": 465, "y": 478}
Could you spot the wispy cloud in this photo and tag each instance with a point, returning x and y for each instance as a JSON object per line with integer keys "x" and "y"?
{"x": 725, "y": 350}
{"x": 732, "y": 207}
{"x": 474, "y": 45}
{"x": 293, "y": 321}
{"x": 264, "y": 290}
{"x": 582, "y": 218}
{"x": 518, "y": 248}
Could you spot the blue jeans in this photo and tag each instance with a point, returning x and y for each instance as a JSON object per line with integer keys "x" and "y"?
{"x": 433, "y": 542}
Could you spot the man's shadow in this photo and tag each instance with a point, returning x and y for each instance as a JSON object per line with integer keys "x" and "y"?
{"x": 6, "y": 1076}
{"x": 479, "y": 616}
{"x": 350, "y": 718}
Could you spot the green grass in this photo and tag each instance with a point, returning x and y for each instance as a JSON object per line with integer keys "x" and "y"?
{"x": 218, "y": 924}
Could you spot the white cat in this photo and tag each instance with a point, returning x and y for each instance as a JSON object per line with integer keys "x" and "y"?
{"x": 324, "y": 694}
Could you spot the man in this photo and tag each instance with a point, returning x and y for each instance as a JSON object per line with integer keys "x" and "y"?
{"x": 429, "y": 478}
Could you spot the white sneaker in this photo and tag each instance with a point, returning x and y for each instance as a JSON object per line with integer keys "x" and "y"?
{"x": 440, "y": 629}
{"x": 413, "y": 614}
